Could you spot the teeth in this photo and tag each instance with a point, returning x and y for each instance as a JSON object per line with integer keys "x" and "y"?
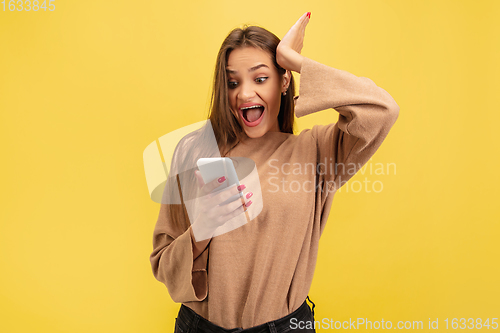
{"x": 252, "y": 107}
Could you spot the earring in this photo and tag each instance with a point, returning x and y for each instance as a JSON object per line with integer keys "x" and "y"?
{"x": 284, "y": 93}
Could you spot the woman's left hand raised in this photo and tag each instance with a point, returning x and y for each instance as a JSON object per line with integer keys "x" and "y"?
{"x": 288, "y": 51}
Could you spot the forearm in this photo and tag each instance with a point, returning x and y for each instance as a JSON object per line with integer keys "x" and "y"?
{"x": 364, "y": 107}
{"x": 173, "y": 260}
{"x": 366, "y": 114}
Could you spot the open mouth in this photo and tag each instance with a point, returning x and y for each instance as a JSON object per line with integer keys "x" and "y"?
{"x": 252, "y": 116}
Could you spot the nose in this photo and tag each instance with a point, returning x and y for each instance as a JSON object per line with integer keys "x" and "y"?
{"x": 247, "y": 91}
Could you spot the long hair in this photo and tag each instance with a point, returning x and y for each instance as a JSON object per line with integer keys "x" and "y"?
{"x": 226, "y": 127}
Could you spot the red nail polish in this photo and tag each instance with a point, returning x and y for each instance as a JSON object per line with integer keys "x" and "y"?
{"x": 241, "y": 187}
{"x": 249, "y": 194}
{"x": 248, "y": 203}
{"x": 309, "y": 14}
{"x": 221, "y": 179}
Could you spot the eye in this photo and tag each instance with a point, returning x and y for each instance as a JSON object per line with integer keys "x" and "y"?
{"x": 232, "y": 84}
{"x": 262, "y": 77}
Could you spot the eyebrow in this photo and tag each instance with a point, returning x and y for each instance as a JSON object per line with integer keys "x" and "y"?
{"x": 254, "y": 68}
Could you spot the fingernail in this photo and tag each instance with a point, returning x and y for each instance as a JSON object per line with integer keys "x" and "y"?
{"x": 241, "y": 187}
{"x": 249, "y": 194}
{"x": 309, "y": 14}
{"x": 221, "y": 179}
{"x": 248, "y": 203}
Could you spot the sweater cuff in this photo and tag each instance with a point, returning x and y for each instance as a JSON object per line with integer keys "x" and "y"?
{"x": 191, "y": 270}
{"x": 314, "y": 78}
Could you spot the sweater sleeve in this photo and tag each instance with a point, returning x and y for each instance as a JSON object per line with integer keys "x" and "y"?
{"x": 172, "y": 258}
{"x": 366, "y": 114}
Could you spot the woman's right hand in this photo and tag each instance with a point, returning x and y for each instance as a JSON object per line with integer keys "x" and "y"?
{"x": 211, "y": 214}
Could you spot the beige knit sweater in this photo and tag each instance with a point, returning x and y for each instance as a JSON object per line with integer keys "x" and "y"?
{"x": 263, "y": 270}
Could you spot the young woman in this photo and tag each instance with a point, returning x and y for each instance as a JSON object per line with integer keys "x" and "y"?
{"x": 256, "y": 277}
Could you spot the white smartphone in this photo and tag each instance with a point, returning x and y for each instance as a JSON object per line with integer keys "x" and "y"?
{"x": 216, "y": 167}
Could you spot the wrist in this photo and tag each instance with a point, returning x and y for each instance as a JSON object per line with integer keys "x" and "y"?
{"x": 200, "y": 233}
{"x": 289, "y": 59}
{"x": 295, "y": 61}
{"x": 299, "y": 61}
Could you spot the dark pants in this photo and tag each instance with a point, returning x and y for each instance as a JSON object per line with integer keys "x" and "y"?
{"x": 188, "y": 321}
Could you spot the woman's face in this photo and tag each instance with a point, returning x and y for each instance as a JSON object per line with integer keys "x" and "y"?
{"x": 254, "y": 81}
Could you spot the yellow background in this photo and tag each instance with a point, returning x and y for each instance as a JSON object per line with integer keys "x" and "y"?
{"x": 84, "y": 89}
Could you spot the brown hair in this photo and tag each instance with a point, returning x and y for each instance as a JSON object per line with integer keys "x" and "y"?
{"x": 226, "y": 127}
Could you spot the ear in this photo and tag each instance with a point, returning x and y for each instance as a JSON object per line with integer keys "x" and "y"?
{"x": 286, "y": 81}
